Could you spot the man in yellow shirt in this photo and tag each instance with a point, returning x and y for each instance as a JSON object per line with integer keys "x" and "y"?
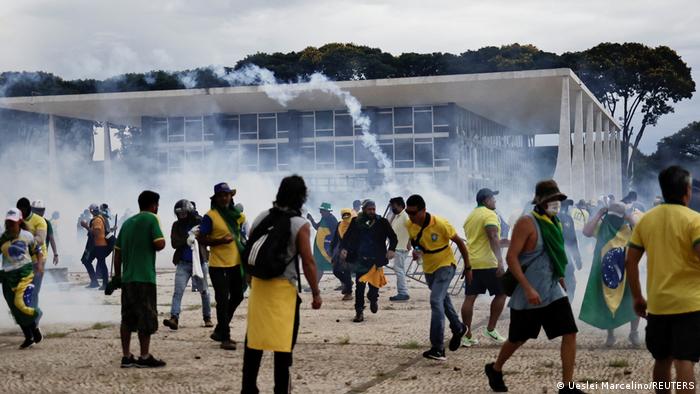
{"x": 430, "y": 237}
{"x": 482, "y": 229}
{"x": 37, "y": 226}
{"x": 221, "y": 231}
{"x": 670, "y": 235}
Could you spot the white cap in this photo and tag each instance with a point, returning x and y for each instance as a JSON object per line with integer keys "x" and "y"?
{"x": 38, "y": 204}
{"x": 14, "y": 215}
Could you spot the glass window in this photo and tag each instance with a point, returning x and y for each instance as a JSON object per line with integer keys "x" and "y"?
{"x": 307, "y": 127}
{"x": 308, "y": 153}
{"x": 384, "y": 123}
{"x": 176, "y": 158}
{"x": 424, "y": 122}
{"x": 403, "y": 116}
{"x": 404, "y": 149}
{"x": 324, "y": 120}
{"x": 211, "y": 129}
{"x": 249, "y": 155}
{"x": 230, "y": 126}
{"x": 160, "y": 129}
{"x": 249, "y": 123}
{"x": 388, "y": 149}
{"x": 324, "y": 152}
{"x": 441, "y": 115}
{"x": 176, "y": 129}
{"x": 163, "y": 162}
{"x": 283, "y": 121}
{"x": 268, "y": 128}
{"x": 343, "y": 125}
{"x": 361, "y": 153}
{"x": 404, "y": 164}
{"x": 442, "y": 148}
{"x": 193, "y": 130}
{"x": 283, "y": 153}
{"x": 268, "y": 159}
{"x": 344, "y": 157}
{"x": 424, "y": 155}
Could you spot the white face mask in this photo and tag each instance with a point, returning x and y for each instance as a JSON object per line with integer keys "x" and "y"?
{"x": 553, "y": 208}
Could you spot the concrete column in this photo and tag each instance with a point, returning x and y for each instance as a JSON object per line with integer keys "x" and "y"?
{"x": 562, "y": 172}
{"x": 617, "y": 166}
{"x": 578, "y": 171}
{"x": 53, "y": 162}
{"x": 607, "y": 171}
{"x": 107, "y": 158}
{"x": 589, "y": 155}
{"x": 598, "y": 150}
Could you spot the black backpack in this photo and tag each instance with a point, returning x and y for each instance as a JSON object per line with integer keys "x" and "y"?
{"x": 265, "y": 255}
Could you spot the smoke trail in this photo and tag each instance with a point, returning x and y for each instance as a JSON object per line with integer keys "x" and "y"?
{"x": 284, "y": 93}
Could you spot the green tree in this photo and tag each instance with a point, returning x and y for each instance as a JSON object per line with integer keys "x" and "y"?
{"x": 633, "y": 80}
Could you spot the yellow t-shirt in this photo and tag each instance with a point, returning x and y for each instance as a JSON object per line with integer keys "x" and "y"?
{"x": 435, "y": 236}
{"x": 668, "y": 234}
{"x": 36, "y": 223}
{"x": 480, "y": 254}
{"x": 225, "y": 255}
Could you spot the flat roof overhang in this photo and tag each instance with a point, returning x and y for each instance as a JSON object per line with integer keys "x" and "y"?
{"x": 526, "y": 102}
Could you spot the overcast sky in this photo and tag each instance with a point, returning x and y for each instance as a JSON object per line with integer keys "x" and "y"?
{"x": 98, "y": 39}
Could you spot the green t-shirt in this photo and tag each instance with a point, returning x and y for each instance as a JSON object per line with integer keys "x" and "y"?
{"x": 135, "y": 243}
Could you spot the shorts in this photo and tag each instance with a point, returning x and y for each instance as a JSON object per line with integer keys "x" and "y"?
{"x": 139, "y": 312}
{"x": 557, "y": 319}
{"x": 482, "y": 280}
{"x": 675, "y": 336}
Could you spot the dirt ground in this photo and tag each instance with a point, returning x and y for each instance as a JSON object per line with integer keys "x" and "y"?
{"x": 81, "y": 350}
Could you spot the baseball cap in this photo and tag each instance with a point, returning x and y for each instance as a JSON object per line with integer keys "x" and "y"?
{"x": 485, "y": 193}
{"x": 38, "y": 204}
{"x": 13, "y": 215}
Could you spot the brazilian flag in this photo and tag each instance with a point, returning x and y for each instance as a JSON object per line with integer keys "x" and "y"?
{"x": 607, "y": 303}
{"x": 322, "y": 243}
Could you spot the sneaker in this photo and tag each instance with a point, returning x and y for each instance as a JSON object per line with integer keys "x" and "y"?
{"x": 456, "y": 339}
{"x": 128, "y": 362}
{"x": 494, "y": 335}
{"x": 171, "y": 323}
{"x": 399, "y": 298}
{"x": 634, "y": 339}
{"x": 495, "y": 379}
{"x": 373, "y": 306}
{"x": 92, "y": 285}
{"x": 216, "y": 337}
{"x": 610, "y": 341}
{"x": 36, "y": 333}
{"x": 347, "y": 297}
{"x": 228, "y": 345}
{"x": 469, "y": 342}
{"x": 339, "y": 288}
{"x": 103, "y": 287}
{"x": 567, "y": 390}
{"x": 27, "y": 343}
{"x": 435, "y": 354}
{"x": 359, "y": 317}
{"x": 150, "y": 362}
{"x": 208, "y": 323}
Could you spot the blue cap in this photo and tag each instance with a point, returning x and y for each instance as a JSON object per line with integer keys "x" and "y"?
{"x": 223, "y": 188}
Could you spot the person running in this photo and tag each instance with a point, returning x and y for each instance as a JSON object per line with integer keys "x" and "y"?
{"x": 325, "y": 228}
{"x": 101, "y": 248}
{"x": 537, "y": 260}
{"x": 273, "y": 304}
{"x": 430, "y": 237}
{"x": 341, "y": 269}
{"x": 36, "y": 225}
{"x": 21, "y": 256}
{"x": 572, "y": 251}
{"x": 607, "y": 303}
{"x": 51, "y": 240}
{"x": 221, "y": 231}
{"x": 398, "y": 224}
{"x": 182, "y": 239}
{"x": 670, "y": 236}
{"x": 365, "y": 247}
{"x": 483, "y": 231}
{"x": 135, "y": 251}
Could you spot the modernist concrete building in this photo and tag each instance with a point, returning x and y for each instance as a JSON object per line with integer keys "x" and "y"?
{"x": 465, "y": 131}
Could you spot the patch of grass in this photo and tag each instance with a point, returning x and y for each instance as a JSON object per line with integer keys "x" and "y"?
{"x": 56, "y": 335}
{"x": 100, "y": 326}
{"x": 412, "y": 345}
{"x": 620, "y": 363}
{"x": 344, "y": 340}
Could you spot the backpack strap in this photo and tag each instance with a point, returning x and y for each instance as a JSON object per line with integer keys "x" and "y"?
{"x": 416, "y": 242}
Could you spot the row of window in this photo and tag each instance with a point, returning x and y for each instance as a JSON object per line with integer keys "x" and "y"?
{"x": 403, "y": 153}
{"x": 265, "y": 126}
